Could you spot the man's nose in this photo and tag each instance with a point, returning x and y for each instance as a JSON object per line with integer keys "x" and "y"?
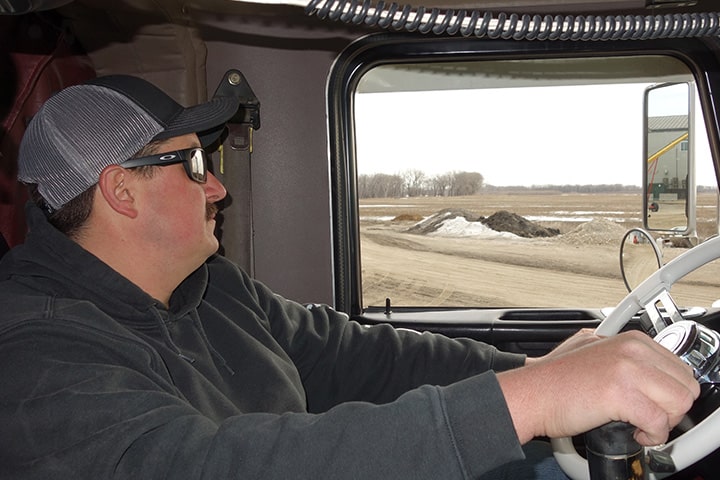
{"x": 214, "y": 189}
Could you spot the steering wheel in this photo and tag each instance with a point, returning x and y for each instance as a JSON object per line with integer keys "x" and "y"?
{"x": 653, "y": 296}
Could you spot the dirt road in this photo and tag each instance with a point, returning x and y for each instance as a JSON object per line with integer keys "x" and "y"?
{"x": 426, "y": 270}
{"x": 483, "y": 272}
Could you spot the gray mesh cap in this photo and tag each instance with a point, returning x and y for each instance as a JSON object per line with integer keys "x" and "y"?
{"x": 84, "y": 128}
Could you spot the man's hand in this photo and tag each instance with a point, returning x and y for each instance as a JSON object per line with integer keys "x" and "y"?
{"x": 589, "y": 381}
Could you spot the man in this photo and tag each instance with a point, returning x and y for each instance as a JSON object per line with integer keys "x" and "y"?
{"x": 129, "y": 350}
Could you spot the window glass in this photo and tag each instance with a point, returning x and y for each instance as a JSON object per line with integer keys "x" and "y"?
{"x": 511, "y": 183}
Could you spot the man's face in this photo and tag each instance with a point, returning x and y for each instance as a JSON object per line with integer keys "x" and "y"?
{"x": 178, "y": 213}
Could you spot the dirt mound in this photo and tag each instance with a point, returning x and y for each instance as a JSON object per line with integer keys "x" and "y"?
{"x": 501, "y": 221}
{"x": 504, "y": 221}
{"x": 407, "y": 217}
{"x": 598, "y": 231}
{"x": 434, "y": 222}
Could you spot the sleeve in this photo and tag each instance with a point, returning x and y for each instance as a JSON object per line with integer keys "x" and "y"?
{"x": 81, "y": 404}
{"x": 340, "y": 360}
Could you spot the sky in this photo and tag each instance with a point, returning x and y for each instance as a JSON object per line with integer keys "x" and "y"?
{"x": 574, "y": 135}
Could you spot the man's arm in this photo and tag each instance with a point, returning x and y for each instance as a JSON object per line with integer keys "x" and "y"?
{"x": 74, "y": 404}
{"x": 585, "y": 382}
{"x": 340, "y": 360}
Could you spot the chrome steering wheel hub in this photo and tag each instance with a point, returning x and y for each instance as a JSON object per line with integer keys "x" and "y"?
{"x": 696, "y": 345}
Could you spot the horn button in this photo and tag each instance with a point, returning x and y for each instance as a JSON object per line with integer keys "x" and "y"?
{"x": 696, "y": 345}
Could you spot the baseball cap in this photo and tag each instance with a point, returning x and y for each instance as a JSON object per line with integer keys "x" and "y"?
{"x": 84, "y": 128}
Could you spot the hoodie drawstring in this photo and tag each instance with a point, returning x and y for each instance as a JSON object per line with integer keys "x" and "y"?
{"x": 167, "y": 338}
{"x": 218, "y": 357}
{"x": 197, "y": 324}
{"x": 199, "y": 327}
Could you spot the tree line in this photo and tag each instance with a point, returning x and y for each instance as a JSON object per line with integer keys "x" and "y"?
{"x": 416, "y": 183}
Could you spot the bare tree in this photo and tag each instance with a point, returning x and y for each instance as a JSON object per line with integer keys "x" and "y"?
{"x": 440, "y": 185}
{"x": 467, "y": 183}
{"x": 414, "y": 182}
{"x": 380, "y": 185}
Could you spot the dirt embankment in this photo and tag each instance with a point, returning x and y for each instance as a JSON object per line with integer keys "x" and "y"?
{"x": 501, "y": 221}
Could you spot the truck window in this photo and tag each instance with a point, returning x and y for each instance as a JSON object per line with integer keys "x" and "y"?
{"x": 510, "y": 183}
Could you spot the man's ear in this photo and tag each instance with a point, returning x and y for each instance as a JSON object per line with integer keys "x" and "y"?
{"x": 116, "y": 186}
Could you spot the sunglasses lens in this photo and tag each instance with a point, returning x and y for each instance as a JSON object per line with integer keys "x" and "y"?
{"x": 198, "y": 165}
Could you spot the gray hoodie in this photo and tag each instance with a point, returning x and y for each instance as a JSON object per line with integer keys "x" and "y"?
{"x": 99, "y": 380}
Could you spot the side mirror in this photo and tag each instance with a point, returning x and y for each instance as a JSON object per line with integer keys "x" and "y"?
{"x": 640, "y": 257}
{"x": 668, "y": 162}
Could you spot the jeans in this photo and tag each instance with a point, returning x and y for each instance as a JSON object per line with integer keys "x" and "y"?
{"x": 539, "y": 464}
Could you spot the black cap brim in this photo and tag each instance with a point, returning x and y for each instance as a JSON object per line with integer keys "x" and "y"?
{"x": 207, "y": 120}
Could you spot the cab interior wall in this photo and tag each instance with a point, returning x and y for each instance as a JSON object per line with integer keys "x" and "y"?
{"x": 290, "y": 167}
{"x": 286, "y": 59}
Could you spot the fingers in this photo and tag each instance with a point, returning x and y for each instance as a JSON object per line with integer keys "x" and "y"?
{"x": 665, "y": 394}
{"x": 657, "y": 406}
{"x": 589, "y": 381}
{"x": 658, "y": 388}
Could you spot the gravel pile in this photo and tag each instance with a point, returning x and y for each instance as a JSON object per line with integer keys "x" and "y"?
{"x": 598, "y": 231}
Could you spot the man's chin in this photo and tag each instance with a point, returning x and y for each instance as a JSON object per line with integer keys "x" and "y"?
{"x": 213, "y": 246}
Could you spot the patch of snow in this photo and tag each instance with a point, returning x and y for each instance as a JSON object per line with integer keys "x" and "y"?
{"x": 460, "y": 227}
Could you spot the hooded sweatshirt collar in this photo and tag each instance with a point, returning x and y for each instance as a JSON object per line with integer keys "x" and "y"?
{"x": 52, "y": 263}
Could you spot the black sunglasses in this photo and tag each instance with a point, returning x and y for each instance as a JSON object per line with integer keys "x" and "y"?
{"x": 193, "y": 159}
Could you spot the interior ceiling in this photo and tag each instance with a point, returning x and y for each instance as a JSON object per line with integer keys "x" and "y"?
{"x": 540, "y": 7}
{"x": 585, "y": 7}
{"x": 408, "y": 77}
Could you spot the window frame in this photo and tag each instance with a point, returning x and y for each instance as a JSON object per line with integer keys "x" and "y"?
{"x": 383, "y": 48}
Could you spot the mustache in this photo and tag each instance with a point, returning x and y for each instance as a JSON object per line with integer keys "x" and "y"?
{"x": 211, "y": 210}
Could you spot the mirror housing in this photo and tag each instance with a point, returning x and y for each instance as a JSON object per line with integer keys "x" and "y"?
{"x": 669, "y": 196}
